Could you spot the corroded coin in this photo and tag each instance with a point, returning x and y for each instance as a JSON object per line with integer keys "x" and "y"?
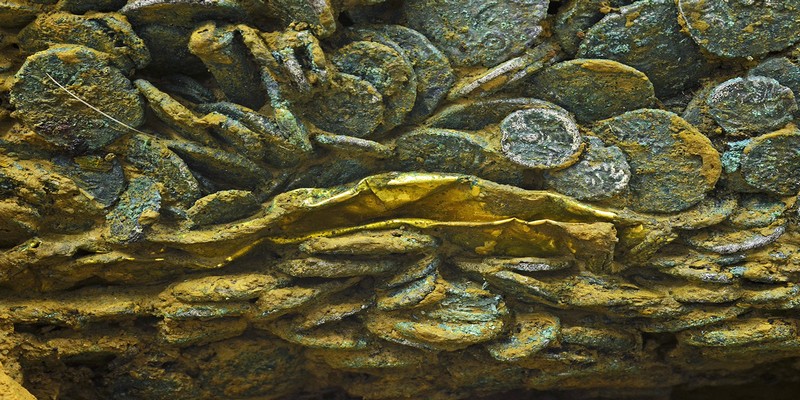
{"x": 230, "y": 170}
{"x": 646, "y": 36}
{"x": 507, "y": 75}
{"x": 742, "y": 332}
{"x": 222, "y": 206}
{"x": 370, "y": 243}
{"x": 696, "y": 111}
{"x": 101, "y": 176}
{"x": 352, "y": 145}
{"x": 59, "y": 91}
{"x": 448, "y": 150}
{"x": 757, "y": 210}
{"x": 477, "y": 32}
{"x": 226, "y": 287}
{"x": 408, "y": 295}
{"x": 709, "y": 211}
{"x": 463, "y": 316}
{"x": 257, "y": 135}
{"x": 431, "y": 67}
{"x": 174, "y": 114}
{"x": 741, "y": 28}
{"x": 442, "y": 150}
{"x": 672, "y": 164}
{"x": 783, "y": 70}
{"x": 337, "y": 267}
{"x": 726, "y": 240}
{"x": 751, "y": 105}
{"x": 602, "y": 172}
{"x": 387, "y": 70}
{"x": 152, "y": 157}
{"x": 331, "y": 172}
{"x": 476, "y": 115}
{"x": 349, "y": 106}
{"x": 540, "y": 138}
{"x": 771, "y": 162}
{"x": 593, "y": 89}
{"x": 181, "y": 12}
{"x": 318, "y": 14}
{"x": 109, "y": 33}
{"x": 223, "y": 52}
{"x": 138, "y": 207}
{"x": 575, "y": 17}
{"x": 530, "y": 334}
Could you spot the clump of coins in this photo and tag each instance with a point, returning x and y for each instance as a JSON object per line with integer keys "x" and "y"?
{"x": 401, "y": 198}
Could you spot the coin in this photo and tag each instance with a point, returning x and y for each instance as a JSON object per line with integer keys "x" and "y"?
{"x": 771, "y": 162}
{"x": 751, "y": 105}
{"x": 387, "y": 70}
{"x": 59, "y": 91}
{"x": 645, "y": 35}
{"x": 540, "y": 138}
{"x": 593, "y": 89}
{"x": 477, "y": 32}
{"x": 601, "y": 173}
{"x": 783, "y": 70}
{"x": 741, "y": 28}
{"x": 349, "y": 106}
{"x": 432, "y": 68}
{"x": 108, "y": 33}
{"x": 672, "y": 164}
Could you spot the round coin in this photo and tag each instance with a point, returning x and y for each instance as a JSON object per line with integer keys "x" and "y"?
{"x": 602, "y": 172}
{"x": 672, "y": 164}
{"x": 109, "y": 33}
{"x": 771, "y": 162}
{"x": 741, "y": 28}
{"x": 575, "y": 17}
{"x": 593, "y": 89}
{"x": 432, "y": 68}
{"x": 54, "y": 87}
{"x": 646, "y": 36}
{"x": 387, "y": 70}
{"x": 782, "y": 70}
{"x": 477, "y": 32}
{"x": 751, "y": 105}
{"x": 349, "y": 106}
{"x": 540, "y": 138}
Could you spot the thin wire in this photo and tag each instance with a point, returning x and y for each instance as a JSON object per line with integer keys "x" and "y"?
{"x": 91, "y": 106}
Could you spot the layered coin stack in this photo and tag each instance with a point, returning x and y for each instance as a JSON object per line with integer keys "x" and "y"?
{"x": 438, "y": 199}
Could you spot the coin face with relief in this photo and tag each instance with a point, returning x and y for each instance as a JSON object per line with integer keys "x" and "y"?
{"x": 477, "y": 32}
{"x": 388, "y": 70}
{"x": 540, "y": 138}
{"x": 601, "y": 172}
{"x": 432, "y": 68}
{"x": 751, "y": 105}
{"x": 358, "y": 107}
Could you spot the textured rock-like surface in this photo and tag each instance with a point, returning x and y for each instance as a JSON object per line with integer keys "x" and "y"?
{"x": 435, "y": 199}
